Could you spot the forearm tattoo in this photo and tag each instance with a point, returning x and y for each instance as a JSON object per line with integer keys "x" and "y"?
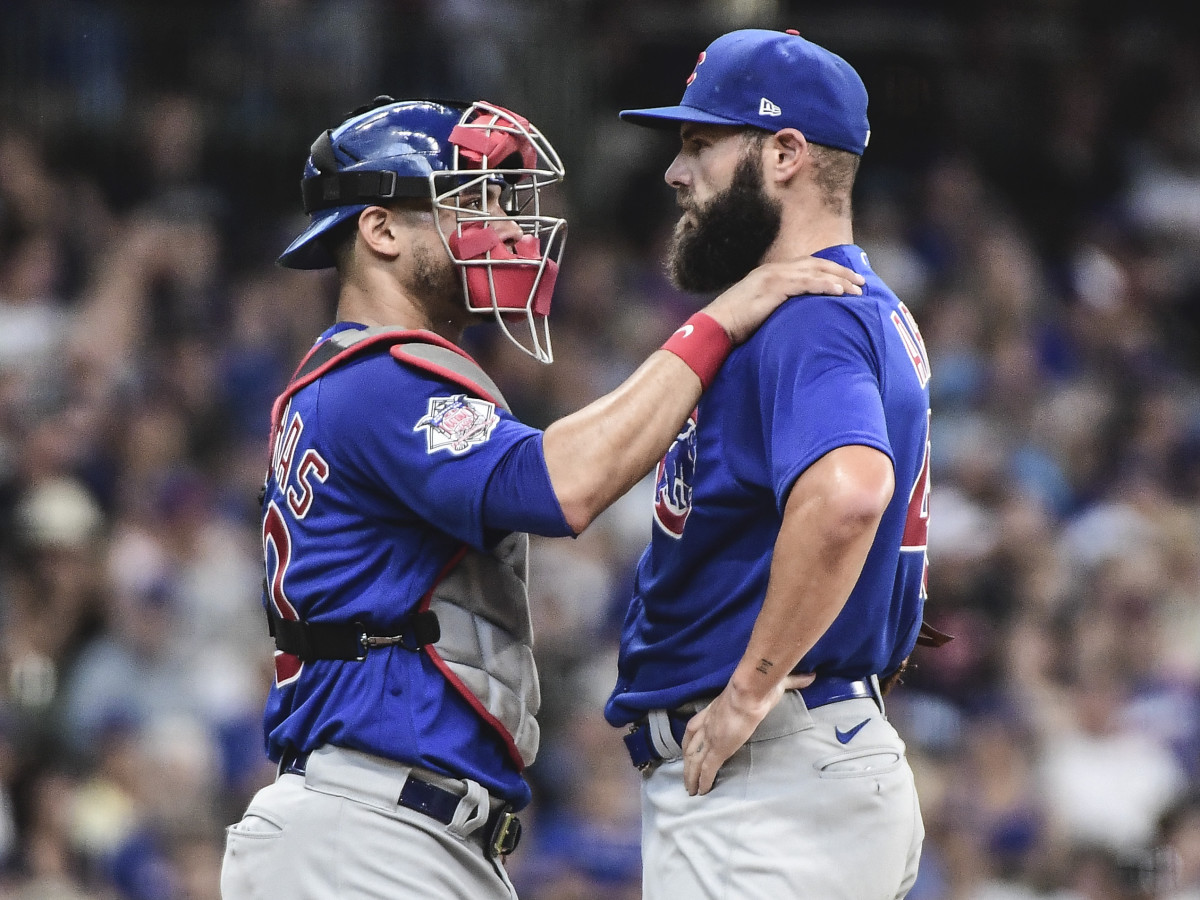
{"x": 764, "y": 666}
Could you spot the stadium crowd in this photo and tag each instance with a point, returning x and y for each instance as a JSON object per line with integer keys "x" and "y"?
{"x": 1032, "y": 192}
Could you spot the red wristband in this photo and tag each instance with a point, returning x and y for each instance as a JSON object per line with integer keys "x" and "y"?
{"x": 701, "y": 343}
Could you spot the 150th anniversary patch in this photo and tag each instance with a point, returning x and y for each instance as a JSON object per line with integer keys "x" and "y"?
{"x": 457, "y": 423}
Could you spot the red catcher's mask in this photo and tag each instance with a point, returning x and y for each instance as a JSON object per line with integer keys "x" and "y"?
{"x": 514, "y": 281}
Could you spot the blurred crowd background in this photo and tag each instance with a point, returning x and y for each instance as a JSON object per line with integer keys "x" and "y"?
{"x": 1032, "y": 190}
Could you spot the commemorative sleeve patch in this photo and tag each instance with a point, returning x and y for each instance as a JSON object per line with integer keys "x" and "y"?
{"x": 457, "y": 423}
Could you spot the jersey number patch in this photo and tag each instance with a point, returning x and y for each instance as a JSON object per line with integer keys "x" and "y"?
{"x": 277, "y": 538}
{"x": 916, "y": 523}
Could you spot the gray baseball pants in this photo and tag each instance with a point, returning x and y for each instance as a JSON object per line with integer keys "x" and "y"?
{"x": 818, "y": 805}
{"x": 337, "y": 832}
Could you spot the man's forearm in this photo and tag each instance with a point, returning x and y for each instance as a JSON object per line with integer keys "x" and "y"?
{"x": 828, "y": 526}
{"x": 598, "y": 453}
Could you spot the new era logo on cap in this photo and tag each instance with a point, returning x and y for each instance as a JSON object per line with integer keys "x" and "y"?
{"x": 767, "y": 108}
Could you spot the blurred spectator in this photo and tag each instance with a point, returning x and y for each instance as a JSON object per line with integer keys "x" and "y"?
{"x": 1103, "y": 782}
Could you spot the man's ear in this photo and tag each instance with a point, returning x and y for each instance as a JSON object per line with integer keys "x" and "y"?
{"x": 379, "y": 229}
{"x": 785, "y": 153}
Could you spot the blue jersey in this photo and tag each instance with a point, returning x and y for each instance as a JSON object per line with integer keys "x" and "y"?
{"x": 821, "y": 373}
{"x": 378, "y": 478}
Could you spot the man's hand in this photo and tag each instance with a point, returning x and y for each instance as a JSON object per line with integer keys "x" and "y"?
{"x": 746, "y": 305}
{"x": 720, "y": 729}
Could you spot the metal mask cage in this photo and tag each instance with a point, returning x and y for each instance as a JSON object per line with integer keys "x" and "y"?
{"x": 463, "y": 189}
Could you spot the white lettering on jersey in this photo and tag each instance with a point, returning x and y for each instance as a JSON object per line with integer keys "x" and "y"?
{"x": 906, "y": 327}
{"x": 457, "y": 423}
{"x": 312, "y": 465}
{"x": 285, "y": 447}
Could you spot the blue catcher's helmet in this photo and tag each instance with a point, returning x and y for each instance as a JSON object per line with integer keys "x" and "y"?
{"x": 384, "y": 153}
{"x": 447, "y": 154}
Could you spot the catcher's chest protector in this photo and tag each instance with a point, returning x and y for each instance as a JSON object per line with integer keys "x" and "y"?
{"x": 481, "y": 600}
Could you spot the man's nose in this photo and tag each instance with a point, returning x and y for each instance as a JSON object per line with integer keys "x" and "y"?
{"x": 676, "y": 175}
{"x": 509, "y": 231}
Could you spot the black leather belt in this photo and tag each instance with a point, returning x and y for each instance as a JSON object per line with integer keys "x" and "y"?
{"x": 499, "y": 836}
{"x": 347, "y": 642}
{"x": 643, "y": 753}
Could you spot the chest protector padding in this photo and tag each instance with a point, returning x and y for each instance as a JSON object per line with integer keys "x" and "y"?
{"x": 486, "y": 643}
{"x": 481, "y": 599}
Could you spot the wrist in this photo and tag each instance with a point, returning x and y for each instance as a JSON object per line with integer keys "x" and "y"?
{"x": 750, "y": 688}
{"x": 702, "y": 343}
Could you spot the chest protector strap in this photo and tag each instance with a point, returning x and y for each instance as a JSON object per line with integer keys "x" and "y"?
{"x": 480, "y": 600}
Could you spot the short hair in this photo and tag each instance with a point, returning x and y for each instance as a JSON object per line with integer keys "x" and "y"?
{"x": 834, "y": 170}
{"x": 834, "y": 173}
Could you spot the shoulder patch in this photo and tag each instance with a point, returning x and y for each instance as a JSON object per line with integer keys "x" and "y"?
{"x": 457, "y": 423}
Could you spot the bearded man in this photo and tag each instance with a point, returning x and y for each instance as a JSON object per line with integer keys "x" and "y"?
{"x": 784, "y": 584}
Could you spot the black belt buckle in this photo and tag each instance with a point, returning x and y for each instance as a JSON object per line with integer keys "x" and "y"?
{"x": 505, "y": 836}
{"x": 292, "y": 762}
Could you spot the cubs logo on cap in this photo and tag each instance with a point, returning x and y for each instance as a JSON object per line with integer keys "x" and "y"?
{"x": 771, "y": 80}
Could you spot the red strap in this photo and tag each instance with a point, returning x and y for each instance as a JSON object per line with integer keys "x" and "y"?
{"x": 478, "y": 140}
{"x": 701, "y": 343}
{"x": 473, "y": 241}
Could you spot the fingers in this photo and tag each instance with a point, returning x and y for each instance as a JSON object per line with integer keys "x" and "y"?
{"x": 814, "y": 275}
{"x": 700, "y": 767}
{"x": 701, "y": 762}
{"x": 692, "y": 758}
{"x": 692, "y": 747}
{"x": 694, "y": 754}
{"x": 745, "y": 305}
{"x": 799, "y": 680}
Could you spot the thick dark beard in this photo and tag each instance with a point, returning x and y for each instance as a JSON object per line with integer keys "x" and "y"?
{"x": 728, "y": 236}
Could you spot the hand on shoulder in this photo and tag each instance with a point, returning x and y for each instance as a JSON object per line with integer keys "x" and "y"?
{"x": 740, "y": 309}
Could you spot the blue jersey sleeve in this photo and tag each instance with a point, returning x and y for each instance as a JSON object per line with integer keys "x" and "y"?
{"x": 821, "y": 367}
{"x": 435, "y": 450}
{"x": 520, "y": 496}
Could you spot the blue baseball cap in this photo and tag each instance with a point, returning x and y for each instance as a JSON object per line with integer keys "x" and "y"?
{"x": 771, "y": 80}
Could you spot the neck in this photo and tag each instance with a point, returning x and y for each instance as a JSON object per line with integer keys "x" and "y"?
{"x": 803, "y": 235}
{"x": 387, "y": 306}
